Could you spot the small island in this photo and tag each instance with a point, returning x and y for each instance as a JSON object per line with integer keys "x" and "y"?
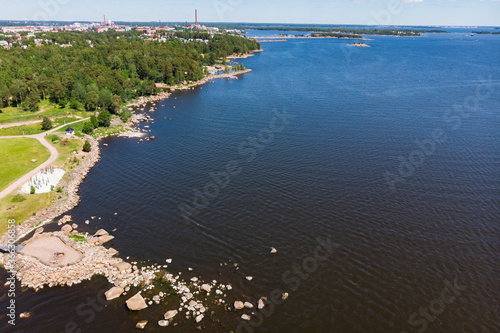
{"x": 360, "y": 45}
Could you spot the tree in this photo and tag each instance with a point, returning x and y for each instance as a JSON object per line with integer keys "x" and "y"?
{"x": 5, "y": 95}
{"x": 116, "y": 102}
{"x": 46, "y": 124}
{"x": 88, "y": 127}
{"x": 104, "y": 118}
{"x": 92, "y": 101}
{"x": 31, "y": 102}
{"x": 86, "y": 146}
{"x": 94, "y": 121}
{"x": 105, "y": 98}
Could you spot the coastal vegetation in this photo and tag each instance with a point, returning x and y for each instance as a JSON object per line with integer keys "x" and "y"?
{"x": 334, "y": 35}
{"x": 104, "y": 70}
{"x": 18, "y": 156}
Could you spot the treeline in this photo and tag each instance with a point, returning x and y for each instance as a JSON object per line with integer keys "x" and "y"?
{"x": 486, "y": 32}
{"x": 358, "y": 31}
{"x": 334, "y": 35}
{"x": 102, "y": 70}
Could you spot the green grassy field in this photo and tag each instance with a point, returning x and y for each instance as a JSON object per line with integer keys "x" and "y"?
{"x": 15, "y": 158}
{"x": 21, "y": 211}
{"x": 64, "y": 151}
{"x": 14, "y": 115}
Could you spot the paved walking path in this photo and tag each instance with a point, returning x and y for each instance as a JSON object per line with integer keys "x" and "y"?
{"x": 53, "y": 157}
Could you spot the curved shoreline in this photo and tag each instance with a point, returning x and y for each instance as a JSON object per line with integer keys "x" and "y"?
{"x": 71, "y": 183}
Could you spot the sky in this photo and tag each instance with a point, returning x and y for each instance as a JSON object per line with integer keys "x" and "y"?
{"x": 362, "y": 12}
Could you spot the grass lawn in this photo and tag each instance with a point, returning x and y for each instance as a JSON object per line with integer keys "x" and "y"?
{"x": 64, "y": 151}
{"x": 21, "y": 211}
{"x": 14, "y": 114}
{"x": 34, "y": 128}
{"x": 15, "y": 158}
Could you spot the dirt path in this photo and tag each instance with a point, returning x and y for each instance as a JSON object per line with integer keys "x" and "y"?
{"x": 28, "y": 122}
{"x": 54, "y": 154}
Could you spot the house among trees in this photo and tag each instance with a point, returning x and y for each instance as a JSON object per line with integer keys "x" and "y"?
{"x": 70, "y": 131}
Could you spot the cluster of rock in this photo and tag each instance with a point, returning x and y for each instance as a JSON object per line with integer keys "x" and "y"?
{"x": 143, "y": 100}
{"x": 95, "y": 259}
{"x": 70, "y": 185}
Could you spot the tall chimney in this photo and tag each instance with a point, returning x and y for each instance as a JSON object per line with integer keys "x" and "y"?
{"x": 196, "y": 16}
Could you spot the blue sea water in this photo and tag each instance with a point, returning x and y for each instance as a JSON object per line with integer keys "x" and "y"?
{"x": 390, "y": 154}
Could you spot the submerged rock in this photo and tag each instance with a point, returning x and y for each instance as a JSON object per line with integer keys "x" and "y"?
{"x": 206, "y": 287}
{"x": 136, "y": 302}
{"x": 163, "y": 323}
{"x": 140, "y": 325}
{"x": 170, "y": 314}
{"x": 113, "y": 293}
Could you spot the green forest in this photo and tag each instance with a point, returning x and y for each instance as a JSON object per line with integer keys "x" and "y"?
{"x": 103, "y": 70}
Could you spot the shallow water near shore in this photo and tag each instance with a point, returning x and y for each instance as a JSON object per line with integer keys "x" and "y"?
{"x": 342, "y": 118}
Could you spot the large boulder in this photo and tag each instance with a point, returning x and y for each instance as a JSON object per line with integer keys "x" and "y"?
{"x": 101, "y": 232}
{"x": 122, "y": 266}
{"x": 66, "y": 228}
{"x": 113, "y": 293}
{"x": 136, "y": 302}
{"x": 105, "y": 238}
{"x": 238, "y": 305}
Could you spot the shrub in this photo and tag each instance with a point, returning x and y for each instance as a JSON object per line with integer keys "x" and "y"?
{"x": 59, "y": 190}
{"x": 18, "y": 198}
{"x": 125, "y": 115}
{"x": 86, "y": 146}
{"x": 32, "y": 189}
{"x": 78, "y": 238}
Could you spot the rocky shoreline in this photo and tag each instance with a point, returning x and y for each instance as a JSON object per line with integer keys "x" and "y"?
{"x": 193, "y": 296}
{"x": 94, "y": 259}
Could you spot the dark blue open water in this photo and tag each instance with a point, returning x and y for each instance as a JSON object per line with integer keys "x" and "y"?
{"x": 344, "y": 165}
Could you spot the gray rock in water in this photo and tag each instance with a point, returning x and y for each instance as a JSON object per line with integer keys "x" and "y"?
{"x": 136, "y": 302}
{"x": 122, "y": 266}
{"x": 101, "y": 232}
{"x": 163, "y": 323}
{"x": 261, "y": 304}
{"x": 238, "y": 305}
{"x": 199, "y": 318}
{"x": 66, "y": 228}
{"x": 245, "y": 317}
{"x": 206, "y": 287}
{"x": 248, "y": 305}
{"x": 170, "y": 314}
{"x": 140, "y": 325}
{"x": 113, "y": 293}
{"x": 105, "y": 238}
{"x": 273, "y": 250}
{"x": 25, "y": 315}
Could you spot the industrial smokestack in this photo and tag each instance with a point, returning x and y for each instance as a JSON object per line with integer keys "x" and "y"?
{"x": 196, "y": 17}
